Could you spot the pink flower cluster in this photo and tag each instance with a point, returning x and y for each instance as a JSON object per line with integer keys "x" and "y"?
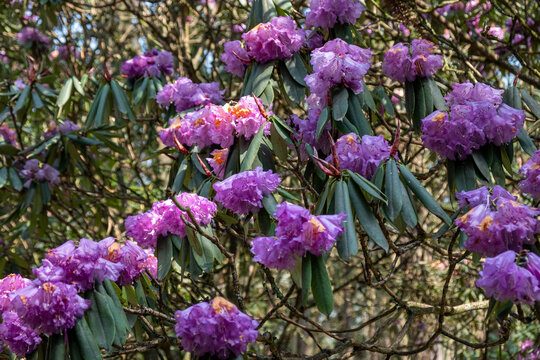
{"x": 8, "y": 135}
{"x": 297, "y": 232}
{"x": 326, "y": 13}
{"x": 531, "y": 171}
{"x": 166, "y": 218}
{"x": 185, "y": 94}
{"x": 216, "y": 124}
{"x": 152, "y": 63}
{"x": 400, "y": 65}
{"x": 40, "y": 172}
{"x": 64, "y": 128}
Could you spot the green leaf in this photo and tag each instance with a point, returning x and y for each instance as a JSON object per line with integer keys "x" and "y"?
{"x": 103, "y": 100}
{"x": 321, "y": 286}
{"x": 7, "y": 149}
{"x": 269, "y": 203}
{"x": 481, "y": 165}
{"x": 465, "y": 176}
{"x": 278, "y": 144}
{"x": 368, "y": 187}
{"x": 139, "y": 91}
{"x": 368, "y": 98}
{"x": 321, "y": 123}
{"x": 357, "y": 117}
{"x": 164, "y": 256}
{"x": 180, "y": 176}
{"x": 392, "y": 189}
{"x": 419, "y": 105}
{"x": 95, "y": 323}
{"x": 260, "y": 77}
{"x": 38, "y": 103}
{"x": 15, "y": 180}
{"x": 21, "y": 101}
{"x": 65, "y": 93}
{"x": 423, "y": 195}
{"x": 512, "y": 98}
{"x": 306, "y": 278}
{"x": 106, "y": 317}
{"x": 120, "y": 320}
{"x": 428, "y": 98}
{"x": 57, "y": 347}
{"x": 526, "y": 143}
{"x": 45, "y": 91}
{"x": 409, "y": 99}
{"x": 293, "y": 89}
{"x": 86, "y": 341}
{"x": 268, "y": 10}
{"x": 346, "y": 244}
{"x": 438, "y": 99}
{"x": 297, "y": 68}
{"x": 267, "y": 97}
{"x": 366, "y": 217}
{"x": 385, "y": 100}
{"x": 3, "y": 176}
{"x": 252, "y": 151}
{"x": 532, "y": 104}
{"x": 340, "y": 103}
{"x": 121, "y": 100}
{"x": 78, "y": 86}
{"x": 408, "y": 212}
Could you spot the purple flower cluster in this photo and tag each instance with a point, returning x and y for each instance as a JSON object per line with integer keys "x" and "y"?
{"x": 165, "y": 217}
{"x": 152, "y": 63}
{"x": 496, "y": 222}
{"x": 8, "y": 135}
{"x": 64, "y": 128}
{"x": 513, "y": 26}
{"x": 31, "y": 37}
{"x": 297, "y": 232}
{"x": 277, "y": 39}
{"x": 44, "y": 172}
{"x": 335, "y": 63}
{"x": 217, "y": 328}
{"x": 216, "y": 124}
{"x": 31, "y": 308}
{"x": 185, "y": 94}
{"x": 326, "y": 13}
{"x": 503, "y": 279}
{"x": 528, "y": 352}
{"x": 235, "y": 57}
{"x": 531, "y": 171}
{"x": 476, "y": 118}
{"x": 400, "y": 65}
{"x": 242, "y": 193}
{"x": 362, "y": 157}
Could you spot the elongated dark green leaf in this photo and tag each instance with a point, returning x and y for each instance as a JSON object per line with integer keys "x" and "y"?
{"x": 269, "y": 203}
{"x": 3, "y": 176}
{"x": 465, "y": 175}
{"x": 45, "y": 91}
{"x": 356, "y": 115}
{"x": 481, "y": 165}
{"x": 95, "y": 323}
{"x": 57, "y": 347}
{"x": 428, "y": 97}
{"x": 15, "y": 180}
{"x": 385, "y": 100}
{"x": 368, "y": 187}
{"x": 340, "y": 103}
{"x": 347, "y": 244}
{"x": 267, "y": 97}
{"x": 180, "y": 176}
{"x": 408, "y": 212}
{"x": 164, "y": 256}
{"x": 268, "y": 10}
{"x": 86, "y": 341}
{"x": 65, "y": 93}
{"x": 102, "y": 107}
{"x": 438, "y": 99}
{"x": 531, "y": 103}
{"x": 120, "y": 320}
{"x": 139, "y": 91}
{"x": 252, "y": 151}
{"x": 392, "y": 189}
{"x": 526, "y": 143}
{"x": 368, "y": 98}
{"x": 38, "y": 103}
{"x": 8, "y": 149}
{"x": 121, "y": 100}
{"x": 365, "y": 216}
{"x": 419, "y": 105}
{"x": 409, "y": 99}
{"x": 93, "y": 108}
{"x": 21, "y": 101}
{"x": 423, "y": 195}
{"x": 296, "y": 68}
{"x": 77, "y": 85}
{"x": 293, "y": 89}
{"x": 512, "y": 97}
{"x": 321, "y": 123}
{"x": 260, "y": 76}
{"x": 106, "y": 317}
{"x": 306, "y": 278}
{"x": 279, "y": 145}
{"x": 321, "y": 286}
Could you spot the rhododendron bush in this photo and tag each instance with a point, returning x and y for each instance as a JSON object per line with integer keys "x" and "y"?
{"x": 269, "y": 179}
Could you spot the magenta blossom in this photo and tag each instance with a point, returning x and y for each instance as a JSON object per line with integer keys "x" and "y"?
{"x": 65, "y": 128}
{"x": 277, "y": 39}
{"x": 531, "y": 171}
{"x": 400, "y": 65}
{"x": 152, "y": 63}
{"x": 327, "y": 13}
{"x": 40, "y": 172}
{"x": 20, "y": 339}
{"x": 242, "y": 193}
{"x": 217, "y": 328}
{"x": 8, "y": 135}
{"x": 235, "y": 57}
{"x": 185, "y": 94}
